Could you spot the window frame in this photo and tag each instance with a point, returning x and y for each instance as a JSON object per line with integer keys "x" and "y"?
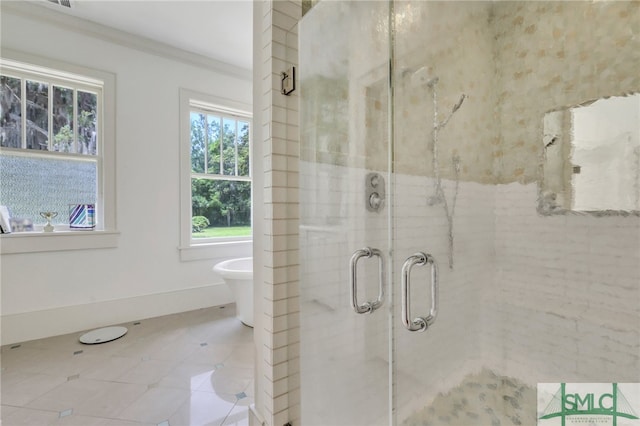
{"x": 208, "y": 248}
{"x": 26, "y": 66}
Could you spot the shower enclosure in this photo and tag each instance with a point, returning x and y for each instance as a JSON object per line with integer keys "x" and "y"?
{"x": 446, "y": 277}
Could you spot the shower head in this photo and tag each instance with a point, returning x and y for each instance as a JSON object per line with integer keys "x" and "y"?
{"x": 423, "y": 77}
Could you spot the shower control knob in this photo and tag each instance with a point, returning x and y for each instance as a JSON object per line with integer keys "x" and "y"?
{"x": 374, "y": 192}
{"x": 375, "y": 201}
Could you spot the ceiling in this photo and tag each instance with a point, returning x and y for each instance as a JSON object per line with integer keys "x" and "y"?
{"x": 218, "y": 29}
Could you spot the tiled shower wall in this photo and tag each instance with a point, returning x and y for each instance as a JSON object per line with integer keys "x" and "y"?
{"x": 566, "y": 300}
{"x": 277, "y": 332}
{"x": 567, "y": 288}
{"x": 563, "y": 301}
{"x": 551, "y": 55}
{"x": 438, "y": 359}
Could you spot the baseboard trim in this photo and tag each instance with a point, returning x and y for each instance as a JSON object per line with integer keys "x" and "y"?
{"x": 27, "y": 326}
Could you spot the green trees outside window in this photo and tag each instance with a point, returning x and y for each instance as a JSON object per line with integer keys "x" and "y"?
{"x": 49, "y": 141}
{"x": 72, "y": 113}
{"x": 220, "y": 175}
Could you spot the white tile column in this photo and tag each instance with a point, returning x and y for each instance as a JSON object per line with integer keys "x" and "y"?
{"x": 277, "y": 329}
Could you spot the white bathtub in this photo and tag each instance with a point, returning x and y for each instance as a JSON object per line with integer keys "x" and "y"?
{"x": 238, "y": 274}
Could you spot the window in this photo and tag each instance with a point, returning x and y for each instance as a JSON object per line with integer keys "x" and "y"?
{"x": 52, "y": 151}
{"x": 217, "y": 143}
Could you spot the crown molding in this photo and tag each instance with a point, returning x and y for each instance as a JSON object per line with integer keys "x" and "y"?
{"x": 47, "y": 14}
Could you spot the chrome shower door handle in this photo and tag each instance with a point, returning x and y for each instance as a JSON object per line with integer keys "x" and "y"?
{"x": 419, "y": 323}
{"x": 367, "y": 307}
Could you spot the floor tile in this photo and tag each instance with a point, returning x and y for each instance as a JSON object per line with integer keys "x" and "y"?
{"x": 140, "y": 347}
{"x": 239, "y": 416}
{"x": 245, "y": 402}
{"x": 147, "y": 371}
{"x": 187, "y": 376}
{"x": 67, "y": 395}
{"x": 22, "y": 358}
{"x": 155, "y": 405}
{"x": 111, "y": 348}
{"x": 28, "y": 417}
{"x": 250, "y": 389}
{"x": 27, "y": 387}
{"x": 111, "y": 400}
{"x": 228, "y": 380}
{"x": 211, "y": 354}
{"x": 175, "y": 350}
{"x": 186, "y": 368}
{"x": 67, "y": 364}
{"x": 5, "y": 410}
{"x": 112, "y": 368}
{"x": 225, "y": 330}
{"x": 75, "y": 420}
{"x": 242, "y": 355}
{"x": 202, "y": 408}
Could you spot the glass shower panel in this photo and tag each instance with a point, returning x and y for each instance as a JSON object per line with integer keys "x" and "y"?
{"x": 344, "y": 174}
{"x": 529, "y": 291}
{"x": 524, "y": 297}
{"x": 444, "y": 131}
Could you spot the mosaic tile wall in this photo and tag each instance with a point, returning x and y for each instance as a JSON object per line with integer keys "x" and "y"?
{"x": 453, "y": 43}
{"x": 551, "y": 55}
{"x": 514, "y": 60}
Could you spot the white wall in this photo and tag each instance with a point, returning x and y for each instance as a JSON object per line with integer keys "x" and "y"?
{"x": 52, "y": 293}
{"x": 565, "y": 306}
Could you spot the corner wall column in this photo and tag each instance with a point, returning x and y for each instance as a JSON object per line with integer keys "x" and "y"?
{"x": 277, "y": 328}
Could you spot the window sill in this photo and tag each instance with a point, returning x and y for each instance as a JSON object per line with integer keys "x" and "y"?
{"x": 34, "y": 242}
{"x": 227, "y": 249}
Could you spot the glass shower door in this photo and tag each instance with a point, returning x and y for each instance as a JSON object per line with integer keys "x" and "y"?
{"x": 444, "y": 130}
{"x": 345, "y": 214}
{"x": 423, "y": 125}
{"x": 529, "y": 293}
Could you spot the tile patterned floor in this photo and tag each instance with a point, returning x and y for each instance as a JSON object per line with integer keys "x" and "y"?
{"x": 482, "y": 399}
{"x": 192, "y": 368}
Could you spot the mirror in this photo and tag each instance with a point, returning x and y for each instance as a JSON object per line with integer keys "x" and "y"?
{"x": 591, "y": 158}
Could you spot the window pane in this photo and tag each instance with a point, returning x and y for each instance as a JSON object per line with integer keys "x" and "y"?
{"x": 87, "y": 123}
{"x": 10, "y": 112}
{"x": 229, "y": 146}
{"x": 214, "y": 145}
{"x": 29, "y": 186}
{"x": 63, "y": 119}
{"x": 198, "y": 133}
{"x": 225, "y": 204}
{"x": 37, "y": 115}
{"x": 243, "y": 149}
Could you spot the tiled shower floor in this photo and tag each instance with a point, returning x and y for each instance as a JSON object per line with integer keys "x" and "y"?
{"x": 483, "y": 399}
{"x": 193, "y": 368}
